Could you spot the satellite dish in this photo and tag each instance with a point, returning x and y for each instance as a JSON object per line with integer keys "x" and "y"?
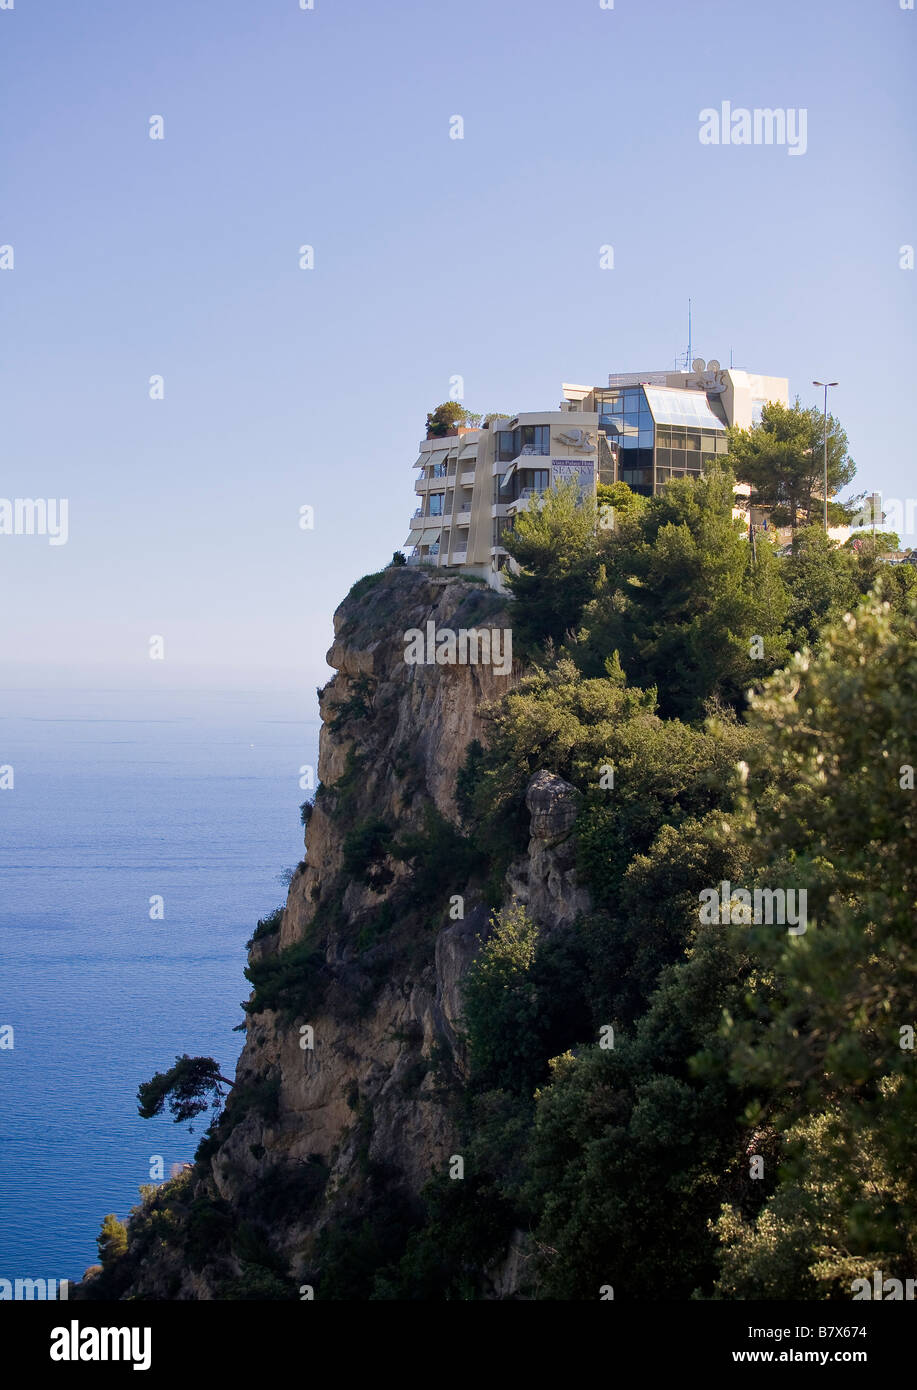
{"x": 713, "y": 365}
{"x": 698, "y": 365}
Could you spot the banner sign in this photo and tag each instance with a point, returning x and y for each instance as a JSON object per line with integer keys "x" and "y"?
{"x": 581, "y": 471}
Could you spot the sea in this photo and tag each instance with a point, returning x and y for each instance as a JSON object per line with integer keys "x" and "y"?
{"x": 142, "y": 838}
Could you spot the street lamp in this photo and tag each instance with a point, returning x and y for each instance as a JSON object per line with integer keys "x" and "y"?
{"x": 826, "y": 384}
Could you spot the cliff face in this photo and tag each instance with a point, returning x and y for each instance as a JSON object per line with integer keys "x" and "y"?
{"x": 345, "y": 1088}
{"x": 392, "y": 741}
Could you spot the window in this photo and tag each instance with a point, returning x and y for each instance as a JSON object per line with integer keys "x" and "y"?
{"x": 436, "y": 504}
{"x": 527, "y": 439}
{"x": 722, "y": 444}
{"x": 505, "y": 452}
{"x": 532, "y": 439}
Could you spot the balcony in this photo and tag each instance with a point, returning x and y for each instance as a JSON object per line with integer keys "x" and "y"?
{"x": 467, "y": 479}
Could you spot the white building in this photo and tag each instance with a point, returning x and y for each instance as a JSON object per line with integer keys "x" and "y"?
{"x": 643, "y": 429}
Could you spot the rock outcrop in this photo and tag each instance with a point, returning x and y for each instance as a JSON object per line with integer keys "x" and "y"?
{"x": 545, "y": 878}
{"x": 344, "y": 1076}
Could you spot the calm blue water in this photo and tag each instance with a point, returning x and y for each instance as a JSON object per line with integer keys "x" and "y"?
{"x": 117, "y": 797}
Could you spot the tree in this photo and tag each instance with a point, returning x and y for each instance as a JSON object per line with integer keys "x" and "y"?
{"x": 191, "y": 1086}
{"x": 554, "y": 545}
{"x": 398, "y": 558}
{"x": 827, "y": 1038}
{"x": 111, "y": 1240}
{"x": 623, "y": 501}
{"x": 823, "y": 583}
{"x": 685, "y": 602}
{"x": 783, "y": 460}
{"x": 444, "y": 419}
{"x": 501, "y": 1005}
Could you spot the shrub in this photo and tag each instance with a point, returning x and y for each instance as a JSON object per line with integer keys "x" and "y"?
{"x": 365, "y": 845}
{"x": 292, "y": 982}
{"x": 363, "y": 586}
{"x": 267, "y": 926}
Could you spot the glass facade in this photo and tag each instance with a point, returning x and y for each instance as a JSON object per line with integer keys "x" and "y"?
{"x": 660, "y": 434}
{"x": 626, "y": 419}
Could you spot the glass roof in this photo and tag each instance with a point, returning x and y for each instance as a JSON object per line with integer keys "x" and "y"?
{"x": 673, "y": 407}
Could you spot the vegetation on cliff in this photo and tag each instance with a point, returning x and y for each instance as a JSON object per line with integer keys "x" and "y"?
{"x": 644, "y": 1098}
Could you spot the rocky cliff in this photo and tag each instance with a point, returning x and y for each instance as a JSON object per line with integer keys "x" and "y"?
{"x": 345, "y": 1090}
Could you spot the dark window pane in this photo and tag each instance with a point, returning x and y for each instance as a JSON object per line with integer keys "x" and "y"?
{"x": 663, "y": 458}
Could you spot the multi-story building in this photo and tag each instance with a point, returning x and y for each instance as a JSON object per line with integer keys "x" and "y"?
{"x": 643, "y": 428}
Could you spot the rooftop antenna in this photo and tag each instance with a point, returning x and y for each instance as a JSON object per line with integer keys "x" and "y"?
{"x": 684, "y": 363}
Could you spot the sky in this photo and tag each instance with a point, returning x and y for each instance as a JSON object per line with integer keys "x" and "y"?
{"x": 434, "y": 257}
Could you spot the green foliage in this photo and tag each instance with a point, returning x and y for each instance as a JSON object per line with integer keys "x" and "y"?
{"x": 501, "y": 1004}
{"x": 625, "y": 503}
{"x": 823, "y": 582}
{"x": 830, "y": 809}
{"x": 358, "y": 704}
{"x": 466, "y": 1227}
{"x": 445, "y": 418}
{"x": 365, "y": 847}
{"x": 351, "y": 1252}
{"x": 398, "y": 558}
{"x": 111, "y": 1241}
{"x": 208, "y": 1231}
{"x": 783, "y": 459}
{"x": 681, "y": 597}
{"x": 363, "y": 586}
{"x": 257, "y": 1284}
{"x": 267, "y": 926}
{"x": 442, "y": 859}
{"x": 554, "y": 544}
{"x": 293, "y": 981}
{"x": 191, "y": 1086}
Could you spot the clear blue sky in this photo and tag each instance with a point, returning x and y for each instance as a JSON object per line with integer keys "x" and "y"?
{"x": 433, "y": 256}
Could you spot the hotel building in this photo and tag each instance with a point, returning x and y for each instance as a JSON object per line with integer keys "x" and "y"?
{"x": 643, "y": 428}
